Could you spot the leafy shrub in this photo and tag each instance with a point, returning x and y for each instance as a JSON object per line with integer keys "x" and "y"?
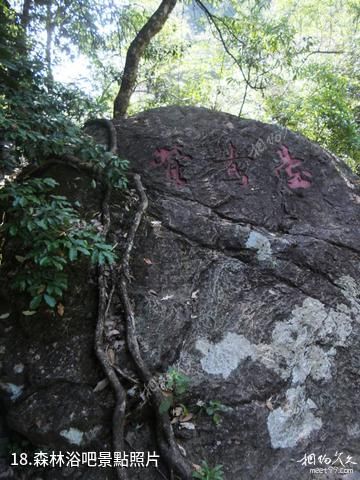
{"x": 52, "y": 234}
{"x": 176, "y": 384}
{"x": 213, "y": 409}
{"x": 205, "y": 472}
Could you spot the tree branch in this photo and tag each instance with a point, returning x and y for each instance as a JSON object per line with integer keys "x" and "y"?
{"x": 135, "y": 52}
{"x": 25, "y": 15}
{"x": 213, "y": 20}
{"x": 49, "y": 39}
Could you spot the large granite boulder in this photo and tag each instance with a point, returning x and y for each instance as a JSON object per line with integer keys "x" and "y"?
{"x": 245, "y": 278}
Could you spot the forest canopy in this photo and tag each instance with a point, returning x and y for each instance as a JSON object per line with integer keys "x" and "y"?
{"x": 289, "y": 62}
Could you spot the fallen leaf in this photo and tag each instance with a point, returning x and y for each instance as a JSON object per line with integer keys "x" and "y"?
{"x": 148, "y": 261}
{"x": 195, "y": 294}
{"x": 60, "y": 309}
{"x": 153, "y": 292}
{"x": 100, "y": 386}
{"x": 28, "y": 313}
{"x": 4, "y": 315}
{"x": 269, "y": 404}
{"x": 20, "y": 259}
{"x": 177, "y": 411}
{"x": 186, "y": 418}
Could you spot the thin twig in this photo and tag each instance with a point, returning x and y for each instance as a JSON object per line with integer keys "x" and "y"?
{"x": 244, "y": 98}
{"x": 212, "y": 19}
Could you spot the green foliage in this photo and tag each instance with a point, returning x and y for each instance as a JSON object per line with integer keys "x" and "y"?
{"x": 322, "y": 109}
{"x": 12, "y": 41}
{"x": 176, "y": 384}
{"x": 41, "y": 120}
{"x": 205, "y": 472}
{"x": 213, "y": 409}
{"x": 260, "y": 43}
{"x": 286, "y": 61}
{"x": 166, "y": 403}
{"x": 52, "y": 236}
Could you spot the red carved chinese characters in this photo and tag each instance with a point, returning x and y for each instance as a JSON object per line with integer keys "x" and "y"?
{"x": 297, "y": 178}
{"x": 169, "y": 158}
{"x": 232, "y": 167}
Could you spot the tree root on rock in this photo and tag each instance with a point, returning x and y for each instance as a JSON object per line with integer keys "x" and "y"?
{"x": 165, "y": 435}
{"x": 177, "y": 464}
{"x": 103, "y": 309}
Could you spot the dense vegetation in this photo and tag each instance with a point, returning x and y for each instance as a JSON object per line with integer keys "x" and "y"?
{"x": 294, "y": 63}
{"x": 62, "y": 62}
{"x": 40, "y": 120}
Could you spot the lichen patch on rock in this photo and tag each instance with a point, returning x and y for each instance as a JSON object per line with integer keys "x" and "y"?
{"x": 73, "y": 435}
{"x": 294, "y": 421}
{"x": 261, "y": 244}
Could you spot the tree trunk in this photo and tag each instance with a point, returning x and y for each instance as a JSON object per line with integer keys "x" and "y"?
{"x": 49, "y": 38}
{"x": 135, "y": 52}
{"x": 25, "y": 16}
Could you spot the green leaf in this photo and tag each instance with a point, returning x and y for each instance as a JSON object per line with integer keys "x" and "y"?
{"x": 44, "y": 261}
{"x": 84, "y": 251}
{"x": 216, "y": 418}
{"x": 198, "y": 475}
{"x": 166, "y": 404}
{"x": 35, "y": 302}
{"x": 51, "y": 301}
{"x": 73, "y": 254}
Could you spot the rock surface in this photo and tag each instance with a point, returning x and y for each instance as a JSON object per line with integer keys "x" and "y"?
{"x": 246, "y": 278}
